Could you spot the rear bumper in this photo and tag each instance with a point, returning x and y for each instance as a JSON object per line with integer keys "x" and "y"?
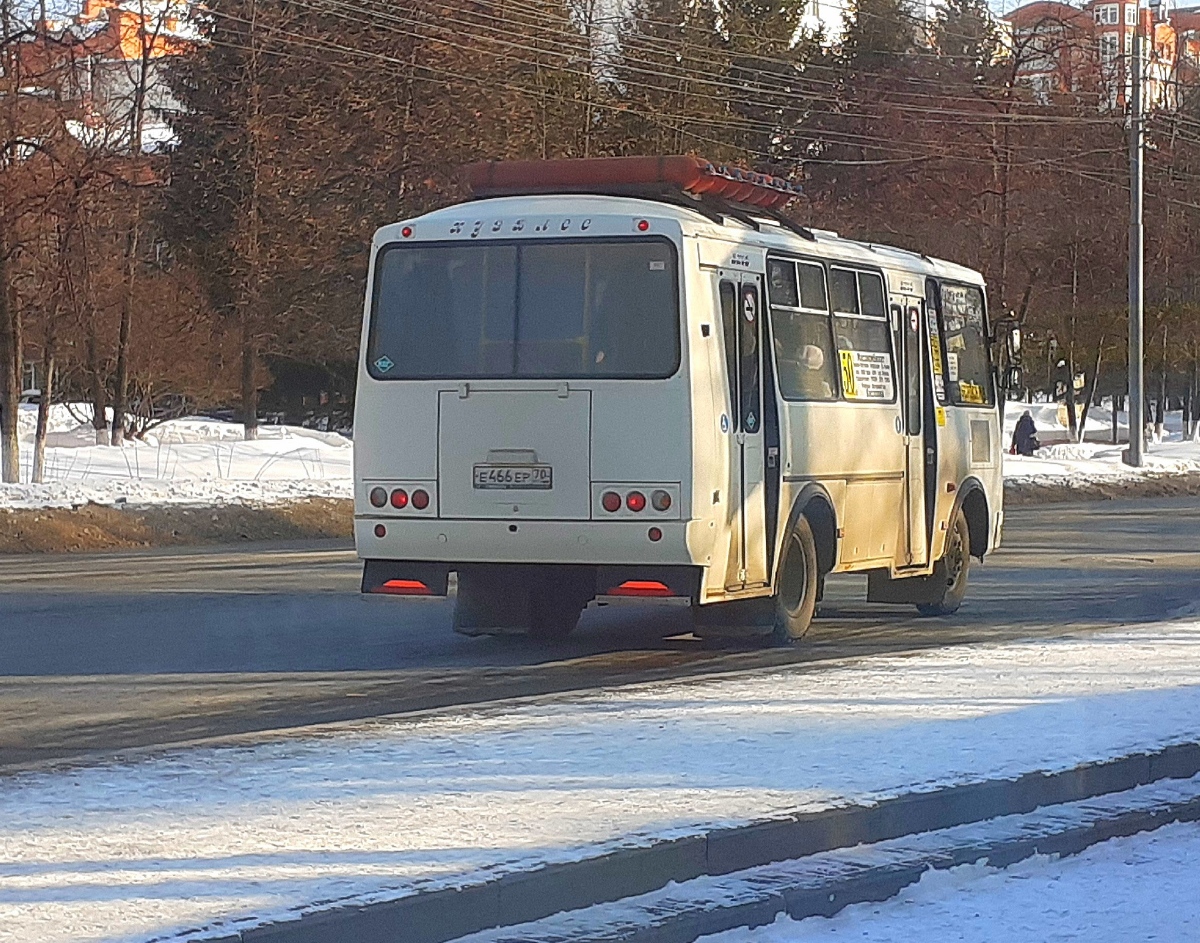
{"x": 533, "y": 541}
{"x": 610, "y": 584}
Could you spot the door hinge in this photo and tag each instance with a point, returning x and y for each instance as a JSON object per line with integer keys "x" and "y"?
{"x": 741, "y": 576}
{"x": 772, "y": 457}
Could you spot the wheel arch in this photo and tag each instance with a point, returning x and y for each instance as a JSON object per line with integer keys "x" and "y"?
{"x": 814, "y": 502}
{"x": 972, "y": 501}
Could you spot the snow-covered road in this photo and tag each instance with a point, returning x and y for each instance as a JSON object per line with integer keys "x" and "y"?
{"x": 230, "y": 836}
{"x": 1125, "y": 890}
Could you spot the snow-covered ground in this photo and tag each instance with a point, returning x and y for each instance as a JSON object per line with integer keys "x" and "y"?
{"x": 194, "y": 461}
{"x": 232, "y": 835}
{"x": 1125, "y": 890}
{"x": 1093, "y": 462}
{"x": 205, "y": 461}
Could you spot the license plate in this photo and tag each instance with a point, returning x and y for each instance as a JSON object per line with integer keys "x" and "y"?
{"x": 517, "y": 477}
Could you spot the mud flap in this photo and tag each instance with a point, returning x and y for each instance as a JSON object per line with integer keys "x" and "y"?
{"x": 736, "y": 617}
{"x": 491, "y": 601}
{"x": 378, "y": 574}
{"x": 917, "y": 590}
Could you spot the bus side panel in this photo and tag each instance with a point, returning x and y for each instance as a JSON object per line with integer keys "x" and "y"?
{"x": 858, "y": 445}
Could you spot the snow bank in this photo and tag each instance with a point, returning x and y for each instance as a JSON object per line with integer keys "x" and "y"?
{"x": 1093, "y": 462}
{"x": 1138, "y": 888}
{"x": 145, "y": 849}
{"x": 190, "y": 461}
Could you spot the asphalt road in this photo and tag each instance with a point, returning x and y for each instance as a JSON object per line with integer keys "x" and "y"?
{"x": 116, "y": 651}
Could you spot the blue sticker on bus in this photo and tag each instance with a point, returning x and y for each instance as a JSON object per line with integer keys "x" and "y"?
{"x": 384, "y": 364}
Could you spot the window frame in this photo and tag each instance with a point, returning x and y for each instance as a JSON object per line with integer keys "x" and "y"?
{"x": 827, "y": 266}
{"x": 376, "y": 287}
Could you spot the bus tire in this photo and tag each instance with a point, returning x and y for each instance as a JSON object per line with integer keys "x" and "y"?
{"x": 951, "y": 571}
{"x": 552, "y": 616}
{"x": 799, "y": 581}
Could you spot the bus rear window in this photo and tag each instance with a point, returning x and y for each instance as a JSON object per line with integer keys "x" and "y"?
{"x": 554, "y": 310}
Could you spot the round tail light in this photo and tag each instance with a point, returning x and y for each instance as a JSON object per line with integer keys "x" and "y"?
{"x": 661, "y": 500}
{"x": 610, "y": 501}
{"x": 378, "y": 497}
{"x": 654, "y": 534}
{"x": 635, "y": 501}
{"x": 420, "y": 499}
{"x": 399, "y": 498}
{"x": 380, "y": 530}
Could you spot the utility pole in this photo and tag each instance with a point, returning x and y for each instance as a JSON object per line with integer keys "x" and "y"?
{"x": 1137, "y": 410}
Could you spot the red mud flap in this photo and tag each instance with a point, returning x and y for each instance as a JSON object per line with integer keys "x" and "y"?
{"x": 405, "y": 578}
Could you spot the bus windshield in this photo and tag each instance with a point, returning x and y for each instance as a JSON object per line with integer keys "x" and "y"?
{"x": 556, "y": 310}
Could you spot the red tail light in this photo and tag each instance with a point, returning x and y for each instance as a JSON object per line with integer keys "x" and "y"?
{"x": 420, "y": 499}
{"x": 380, "y": 530}
{"x": 643, "y": 225}
{"x": 399, "y": 498}
{"x": 405, "y": 588}
{"x": 406, "y": 231}
{"x": 610, "y": 501}
{"x": 635, "y": 501}
{"x": 378, "y": 497}
{"x": 655, "y": 534}
{"x": 641, "y": 588}
{"x": 661, "y": 500}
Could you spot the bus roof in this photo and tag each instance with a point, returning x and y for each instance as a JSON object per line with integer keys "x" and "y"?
{"x": 701, "y": 222}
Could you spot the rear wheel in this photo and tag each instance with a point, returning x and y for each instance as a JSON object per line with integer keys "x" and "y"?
{"x": 950, "y": 572}
{"x": 799, "y": 580}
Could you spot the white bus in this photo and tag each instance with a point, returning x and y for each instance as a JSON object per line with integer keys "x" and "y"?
{"x": 632, "y": 378}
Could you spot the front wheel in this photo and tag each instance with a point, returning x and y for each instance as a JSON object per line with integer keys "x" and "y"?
{"x": 799, "y": 579}
{"x": 950, "y": 572}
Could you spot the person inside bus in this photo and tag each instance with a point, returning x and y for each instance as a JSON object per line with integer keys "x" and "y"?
{"x": 807, "y": 376}
{"x": 1025, "y": 440}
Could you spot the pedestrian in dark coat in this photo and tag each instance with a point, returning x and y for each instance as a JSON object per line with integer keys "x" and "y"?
{"x": 1025, "y": 436}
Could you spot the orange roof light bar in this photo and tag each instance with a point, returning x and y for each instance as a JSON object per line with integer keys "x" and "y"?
{"x": 692, "y": 175}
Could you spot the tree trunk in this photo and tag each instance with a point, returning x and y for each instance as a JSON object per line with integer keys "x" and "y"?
{"x": 121, "y": 384}
{"x": 249, "y": 384}
{"x": 96, "y": 383}
{"x": 1116, "y": 411}
{"x": 1089, "y": 391}
{"x": 1195, "y": 429}
{"x": 43, "y": 417}
{"x": 11, "y": 362}
{"x": 1072, "y": 417}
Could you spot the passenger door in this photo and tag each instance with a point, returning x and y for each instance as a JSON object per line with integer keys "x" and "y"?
{"x": 912, "y": 358}
{"x": 740, "y": 297}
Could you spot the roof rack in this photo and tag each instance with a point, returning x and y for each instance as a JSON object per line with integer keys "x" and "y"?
{"x": 716, "y": 191}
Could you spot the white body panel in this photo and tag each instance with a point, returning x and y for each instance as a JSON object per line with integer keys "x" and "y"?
{"x": 731, "y": 496}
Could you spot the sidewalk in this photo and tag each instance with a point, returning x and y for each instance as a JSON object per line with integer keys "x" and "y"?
{"x": 208, "y": 841}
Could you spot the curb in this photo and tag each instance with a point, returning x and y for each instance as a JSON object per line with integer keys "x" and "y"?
{"x": 827, "y": 883}
{"x": 525, "y": 897}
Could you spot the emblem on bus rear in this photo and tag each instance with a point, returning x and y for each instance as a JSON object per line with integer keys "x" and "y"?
{"x": 384, "y": 364}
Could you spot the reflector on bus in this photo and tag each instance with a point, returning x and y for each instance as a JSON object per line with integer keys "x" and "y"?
{"x": 641, "y": 588}
{"x": 405, "y": 588}
{"x": 692, "y": 175}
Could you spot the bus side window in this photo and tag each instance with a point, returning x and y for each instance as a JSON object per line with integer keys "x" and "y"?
{"x": 800, "y": 329}
{"x": 862, "y": 336}
{"x": 936, "y": 347}
{"x": 968, "y": 361}
{"x": 728, "y": 292}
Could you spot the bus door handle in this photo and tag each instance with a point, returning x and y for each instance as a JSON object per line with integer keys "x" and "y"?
{"x": 899, "y": 426}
